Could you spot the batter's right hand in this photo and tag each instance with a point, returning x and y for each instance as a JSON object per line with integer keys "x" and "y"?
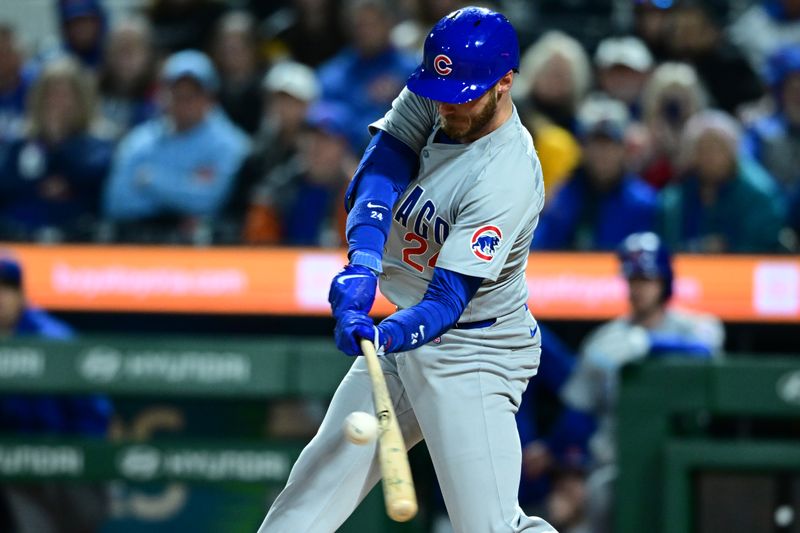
{"x": 351, "y": 327}
{"x": 352, "y": 289}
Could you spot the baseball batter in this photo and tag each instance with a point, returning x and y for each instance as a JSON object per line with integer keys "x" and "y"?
{"x": 442, "y": 209}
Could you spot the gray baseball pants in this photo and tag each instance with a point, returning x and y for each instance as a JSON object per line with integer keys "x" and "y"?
{"x": 460, "y": 395}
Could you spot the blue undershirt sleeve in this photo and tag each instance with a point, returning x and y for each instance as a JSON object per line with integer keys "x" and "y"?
{"x": 386, "y": 169}
{"x": 445, "y": 300}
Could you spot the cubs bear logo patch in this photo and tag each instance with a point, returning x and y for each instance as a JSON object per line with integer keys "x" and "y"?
{"x": 485, "y": 242}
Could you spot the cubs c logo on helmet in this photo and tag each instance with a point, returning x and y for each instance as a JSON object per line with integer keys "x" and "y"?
{"x": 442, "y": 64}
{"x": 485, "y": 242}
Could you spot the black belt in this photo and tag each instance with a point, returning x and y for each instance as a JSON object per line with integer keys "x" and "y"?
{"x": 475, "y": 325}
{"x": 484, "y": 323}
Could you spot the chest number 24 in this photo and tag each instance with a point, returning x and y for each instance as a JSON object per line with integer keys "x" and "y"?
{"x": 418, "y": 247}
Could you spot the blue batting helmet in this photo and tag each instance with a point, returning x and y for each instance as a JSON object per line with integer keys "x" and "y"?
{"x": 465, "y": 53}
{"x": 644, "y": 255}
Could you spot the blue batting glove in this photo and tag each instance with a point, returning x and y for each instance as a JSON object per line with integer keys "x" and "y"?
{"x": 353, "y": 289}
{"x": 351, "y": 327}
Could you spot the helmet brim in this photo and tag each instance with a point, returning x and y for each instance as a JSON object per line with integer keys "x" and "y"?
{"x": 442, "y": 89}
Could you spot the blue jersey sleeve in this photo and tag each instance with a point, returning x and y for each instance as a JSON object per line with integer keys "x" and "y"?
{"x": 446, "y": 298}
{"x": 385, "y": 171}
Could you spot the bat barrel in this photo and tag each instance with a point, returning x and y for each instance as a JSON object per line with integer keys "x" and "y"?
{"x": 398, "y": 484}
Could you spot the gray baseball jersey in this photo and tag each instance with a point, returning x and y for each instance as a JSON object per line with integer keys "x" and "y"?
{"x": 472, "y": 209}
{"x": 593, "y": 387}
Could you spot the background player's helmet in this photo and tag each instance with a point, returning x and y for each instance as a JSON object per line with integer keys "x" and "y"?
{"x": 644, "y": 255}
{"x": 465, "y": 54}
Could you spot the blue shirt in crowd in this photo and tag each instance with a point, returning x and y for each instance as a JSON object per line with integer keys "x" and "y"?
{"x": 12, "y": 106}
{"x": 367, "y": 86}
{"x": 581, "y": 218}
{"x": 160, "y": 171}
{"x": 27, "y": 203}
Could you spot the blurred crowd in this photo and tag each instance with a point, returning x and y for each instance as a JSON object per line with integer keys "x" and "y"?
{"x": 659, "y": 124}
{"x": 240, "y": 122}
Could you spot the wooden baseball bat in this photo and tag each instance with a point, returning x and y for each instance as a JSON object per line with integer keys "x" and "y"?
{"x": 398, "y": 486}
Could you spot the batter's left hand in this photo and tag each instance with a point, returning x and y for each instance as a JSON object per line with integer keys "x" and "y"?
{"x": 351, "y": 327}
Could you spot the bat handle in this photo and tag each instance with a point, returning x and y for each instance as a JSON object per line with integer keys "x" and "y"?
{"x": 402, "y": 510}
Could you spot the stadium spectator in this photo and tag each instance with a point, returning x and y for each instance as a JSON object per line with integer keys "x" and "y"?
{"x": 175, "y": 172}
{"x": 672, "y": 95}
{"x": 50, "y": 180}
{"x": 651, "y": 23}
{"x": 368, "y": 74}
{"x": 16, "y": 80}
{"x": 765, "y": 27}
{"x": 623, "y": 65}
{"x": 50, "y": 507}
{"x": 601, "y": 203}
{"x": 183, "y": 24}
{"x": 83, "y": 30}
{"x": 774, "y": 141}
{"x": 409, "y": 34}
{"x": 555, "y": 76}
{"x": 697, "y": 37}
{"x": 299, "y": 202}
{"x": 127, "y": 77}
{"x": 307, "y": 31}
{"x": 704, "y": 211}
{"x": 650, "y": 329}
{"x": 289, "y": 89}
{"x": 235, "y": 53}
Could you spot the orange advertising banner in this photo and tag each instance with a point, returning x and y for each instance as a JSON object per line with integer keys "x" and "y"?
{"x": 295, "y": 282}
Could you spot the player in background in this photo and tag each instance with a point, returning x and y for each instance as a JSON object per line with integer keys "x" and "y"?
{"x": 46, "y": 507}
{"x": 443, "y": 207}
{"x": 650, "y": 329}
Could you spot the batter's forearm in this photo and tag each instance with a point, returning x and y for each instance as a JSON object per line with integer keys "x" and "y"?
{"x": 443, "y": 303}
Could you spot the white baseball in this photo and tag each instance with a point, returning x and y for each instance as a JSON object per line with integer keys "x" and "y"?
{"x": 360, "y": 427}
